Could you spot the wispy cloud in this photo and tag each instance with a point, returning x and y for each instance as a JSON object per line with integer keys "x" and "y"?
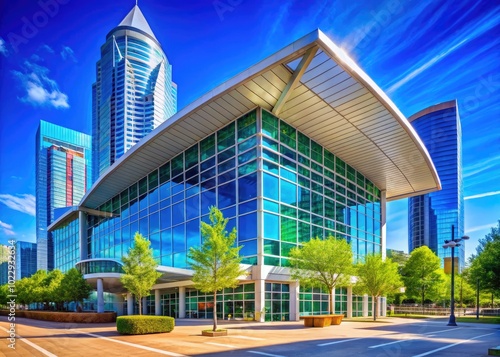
{"x": 481, "y": 166}
{"x": 447, "y": 47}
{"x": 40, "y": 89}
{"x": 480, "y": 195}
{"x": 24, "y": 203}
{"x": 278, "y": 20}
{"x": 7, "y": 228}
{"x": 46, "y": 48}
{"x": 480, "y": 228}
{"x": 68, "y": 54}
{"x": 3, "y": 48}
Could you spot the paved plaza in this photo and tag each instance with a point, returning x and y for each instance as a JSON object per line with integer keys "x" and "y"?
{"x": 390, "y": 337}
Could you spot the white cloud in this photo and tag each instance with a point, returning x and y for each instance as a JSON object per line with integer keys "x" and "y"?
{"x": 47, "y": 48}
{"x": 40, "y": 89}
{"x": 7, "y": 228}
{"x": 480, "y": 195}
{"x": 68, "y": 54}
{"x": 480, "y": 228}
{"x": 24, "y": 203}
{"x": 3, "y": 49}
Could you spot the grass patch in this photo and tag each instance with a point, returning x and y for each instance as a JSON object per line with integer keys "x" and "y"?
{"x": 144, "y": 324}
{"x": 482, "y": 319}
{"x": 413, "y": 316}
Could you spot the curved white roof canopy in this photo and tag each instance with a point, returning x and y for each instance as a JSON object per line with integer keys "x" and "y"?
{"x": 323, "y": 93}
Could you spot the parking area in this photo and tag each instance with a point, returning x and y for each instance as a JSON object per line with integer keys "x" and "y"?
{"x": 389, "y": 337}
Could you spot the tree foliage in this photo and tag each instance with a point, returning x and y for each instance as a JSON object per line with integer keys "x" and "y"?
{"x": 377, "y": 277}
{"x": 493, "y": 236}
{"x": 486, "y": 268}
{"x": 139, "y": 268}
{"x": 422, "y": 274}
{"x": 74, "y": 287}
{"x": 323, "y": 263}
{"x": 216, "y": 263}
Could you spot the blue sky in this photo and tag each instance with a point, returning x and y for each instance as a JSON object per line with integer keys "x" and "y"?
{"x": 419, "y": 52}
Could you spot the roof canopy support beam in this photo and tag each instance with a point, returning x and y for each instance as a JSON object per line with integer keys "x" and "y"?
{"x": 294, "y": 80}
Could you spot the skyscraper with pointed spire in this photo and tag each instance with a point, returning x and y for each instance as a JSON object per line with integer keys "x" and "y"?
{"x": 133, "y": 92}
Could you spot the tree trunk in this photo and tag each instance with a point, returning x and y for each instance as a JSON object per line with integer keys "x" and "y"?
{"x": 139, "y": 298}
{"x": 375, "y": 299}
{"x": 215, "y": 311}
{"x": 423, "y": 299}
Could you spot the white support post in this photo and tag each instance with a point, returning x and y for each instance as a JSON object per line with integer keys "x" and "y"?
{"x": 100, "y": 296}
{"x": 294, "y": 301}
{"x": 157, "y": 302}
{"x": 260, "y": 298}
{"x": 383, "y": 226}
{"x": 182, "y": 302}
{"x": 365, "y": 305}
{"x": 130, "y": 304}
{"x": 349, "y": 302}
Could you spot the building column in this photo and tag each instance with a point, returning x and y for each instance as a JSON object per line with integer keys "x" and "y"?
{"x": 260, "y": 298}
{"x": 100, "y": 296}
{"x": 365, "y": 305}
{"x": 130, "y": 304}
{"x": 379, "y": 306}
{"x": 144, "y": 306}
{"x": 383, "y": 226}
{"x": 349, "y": 302}
{"x": 384, "y": 307}
{"x": 182, "y": 302}
{"x": 157, "y": 302}
{"x": 294, "y": 301}
{"x": 333, "y": 300}
{"x": 82, "y": 235}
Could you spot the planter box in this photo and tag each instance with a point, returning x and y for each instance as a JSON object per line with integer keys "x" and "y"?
{"x": 321, "y": 320}
{"x": 210, "y": 333}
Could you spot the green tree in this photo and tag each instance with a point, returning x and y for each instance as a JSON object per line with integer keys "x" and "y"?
{"x": 486, "y": 268}
{"x": 74, "y": 287}
{"x": 377, "y": 277}
{"x": 323, "y": 263}
{"x": 216, "y": 263}
{"x": 422, "y": 274}
{"x": 139, "y": 268}
{"x": 493, "y": 236}
{"x": 52, "y": 286}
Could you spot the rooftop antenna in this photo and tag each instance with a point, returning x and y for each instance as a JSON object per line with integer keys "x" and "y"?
{"x": 136, "y": 2}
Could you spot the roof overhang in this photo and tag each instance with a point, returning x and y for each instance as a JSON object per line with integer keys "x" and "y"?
{"x": 331, "y": 100}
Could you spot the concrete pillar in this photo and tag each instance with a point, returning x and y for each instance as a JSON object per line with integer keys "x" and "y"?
{"x": 82, "y": 235}
{"x": 383, "y": 226}
{"x": 260, "y": 298}
{"x": 349, "y": 302}
{"x": 384, "y": 307}
{"x": 119, "y": 305}
{"x": 157, "y": 302}
{"x": 182, "y": 302}
{"x": 130, "y": 304}
{"x": 365, "y": 305}
{"x": 379, "y": 306}
{"x": 294, "y": 301}
{"x": 100, "y": 296}
{"x": 144, "y": 306}
{"x": 333, "y": 300}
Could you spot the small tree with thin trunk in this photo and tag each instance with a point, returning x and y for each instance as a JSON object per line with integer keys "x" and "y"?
{"x": 377, "y": 277}
{"x": 323, "y": 263}
{"x": 216, "y": 263}
{"x": 74, "y": 287}
{"x": 139, "y": 267}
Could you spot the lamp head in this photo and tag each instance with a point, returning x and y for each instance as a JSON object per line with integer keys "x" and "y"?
{"x": 465, "y": 237}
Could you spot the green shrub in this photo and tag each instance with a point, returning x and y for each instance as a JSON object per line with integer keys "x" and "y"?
{"x": 143, "y": 324}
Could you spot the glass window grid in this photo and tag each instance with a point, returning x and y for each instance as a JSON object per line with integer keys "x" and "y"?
{"x": 282, "y": 153}
{"x": 313, "y": 301}
{"x": 277, "y": 302}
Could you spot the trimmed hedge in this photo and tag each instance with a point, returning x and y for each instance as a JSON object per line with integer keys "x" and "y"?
{"x": 59, "y": 316}
{"x": 143, "y": 324}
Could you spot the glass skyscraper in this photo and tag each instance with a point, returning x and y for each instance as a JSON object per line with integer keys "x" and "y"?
{"x": 431, "y": 216}
{"x": 133, "y": 92}
{"x": 62, "y": 177}
{"x": 26, "y": 253}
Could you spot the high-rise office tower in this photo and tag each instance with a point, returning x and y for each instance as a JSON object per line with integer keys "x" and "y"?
{"x": 133, "y": 92}
{"x": 63, "y": 168}
{"x": 25, "y": 259}
{"x": 431, "y": 216}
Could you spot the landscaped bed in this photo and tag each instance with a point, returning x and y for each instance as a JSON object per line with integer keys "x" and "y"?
{"x": 62, "y": 316}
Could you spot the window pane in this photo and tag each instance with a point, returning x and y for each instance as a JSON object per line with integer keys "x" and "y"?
{"x": 271, "y": 226}
{"x": 247, "y": 187}
{"x": 227, "y": 194}
{"x": 288, "y": 193}
{"x": 270, "y": 186}
{"x": 179, "y": 239}
{"x": 247, "y": 226}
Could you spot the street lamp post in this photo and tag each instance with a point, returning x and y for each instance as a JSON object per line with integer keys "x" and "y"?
{"x": 452, "y": 244}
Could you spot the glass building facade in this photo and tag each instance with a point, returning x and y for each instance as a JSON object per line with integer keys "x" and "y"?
{"x": 278, "y": 188}
{"x": 63, "y": 171}
{"x": 431, "y": 216}
{"x": 133, "y": 92}
{"x": 25, "y": 259}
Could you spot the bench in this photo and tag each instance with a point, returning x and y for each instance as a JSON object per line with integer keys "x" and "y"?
{"x": 321, "y": 320}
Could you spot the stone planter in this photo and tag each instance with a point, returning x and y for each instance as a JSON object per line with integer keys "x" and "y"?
{"x": 321, "y": 320}
{"x": 211, "y": 333}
